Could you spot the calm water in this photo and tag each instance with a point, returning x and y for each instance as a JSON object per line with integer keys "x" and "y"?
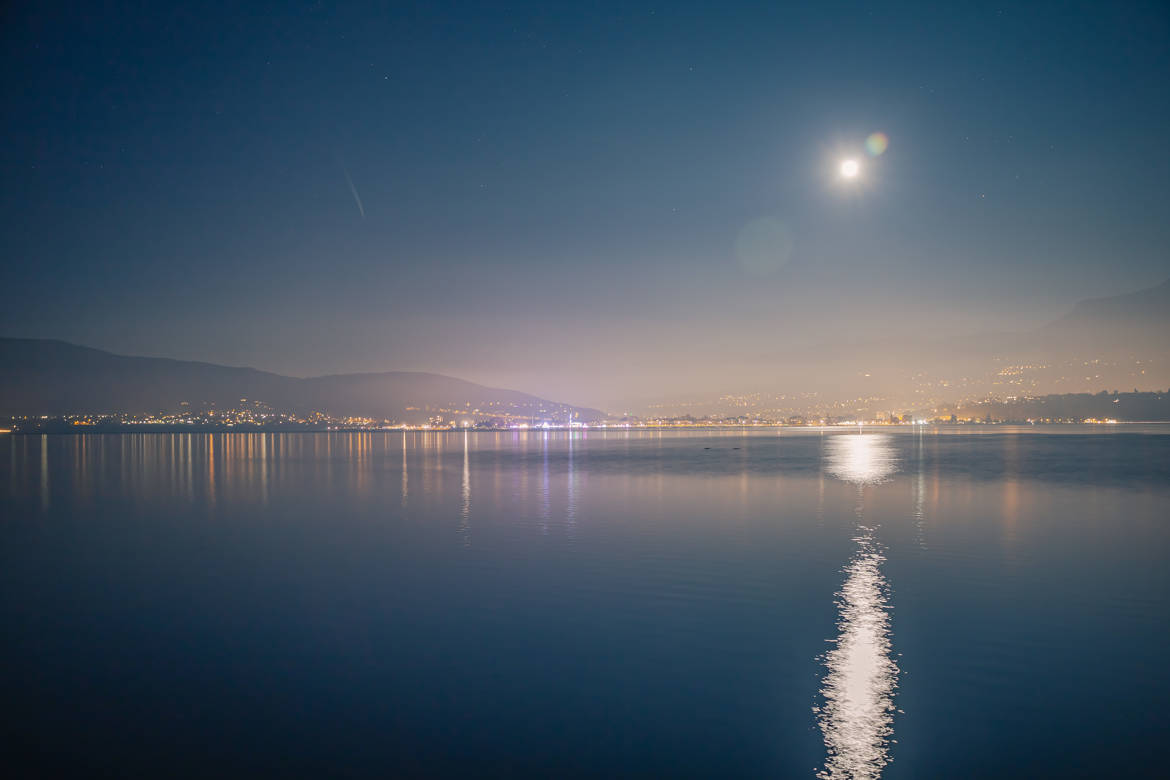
{"x": 902, "y": 604}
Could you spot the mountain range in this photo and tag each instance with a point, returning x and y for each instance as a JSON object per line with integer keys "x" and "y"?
{"x": 1109, "y": 343}
{"x": 1120, "y": 342}
{"x": 47, "y": 377}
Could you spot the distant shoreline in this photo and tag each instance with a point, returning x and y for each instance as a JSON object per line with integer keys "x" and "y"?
{"x": 948, "y": 428}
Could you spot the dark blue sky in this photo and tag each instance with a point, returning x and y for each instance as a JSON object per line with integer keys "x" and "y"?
{"x": 552, "y": 194}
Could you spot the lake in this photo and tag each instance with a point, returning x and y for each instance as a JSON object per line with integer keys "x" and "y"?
{"x": 901, "y": 602}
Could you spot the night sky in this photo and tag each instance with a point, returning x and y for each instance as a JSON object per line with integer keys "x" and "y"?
{"x": 576, "y": 200}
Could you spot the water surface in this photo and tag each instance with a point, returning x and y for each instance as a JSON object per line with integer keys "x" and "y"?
{"x": 894, "y": 603}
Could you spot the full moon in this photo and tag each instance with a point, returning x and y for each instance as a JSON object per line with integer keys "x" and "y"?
{"x": 850, "y": 168}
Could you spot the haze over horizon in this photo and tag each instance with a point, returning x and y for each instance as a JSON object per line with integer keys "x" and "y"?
{"x": 589, "y": 204}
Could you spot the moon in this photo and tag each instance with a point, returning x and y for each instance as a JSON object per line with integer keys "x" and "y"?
{"x": 850, "y": 169}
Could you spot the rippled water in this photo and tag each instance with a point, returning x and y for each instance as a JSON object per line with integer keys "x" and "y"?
{"x": 858, "y": 711}
{"x": 894, "y": 603}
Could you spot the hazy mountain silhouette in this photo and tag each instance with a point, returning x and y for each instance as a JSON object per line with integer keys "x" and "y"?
{"x": 1138, "y": 319}
{"x": 1105, "y": 336}
{"x": 1128, "y": 324}
{"x": 1109, "y": 334}
{"x": 54, "y": 377}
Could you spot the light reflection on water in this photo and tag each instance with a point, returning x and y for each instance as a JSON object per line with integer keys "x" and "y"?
{"x": 920, "y": 493}
{"x": 465, "y": 512}
{"x": 647, "y": 603}
{"x": 857, "y": 713}
{"x": 861, "y": 458}
{"x": 545, "y": 510}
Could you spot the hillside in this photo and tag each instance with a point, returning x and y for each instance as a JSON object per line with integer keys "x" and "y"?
{"x": 1135, "y": 320}
{"x": 1124, "y": 407}
{"x": 54, "y": 378}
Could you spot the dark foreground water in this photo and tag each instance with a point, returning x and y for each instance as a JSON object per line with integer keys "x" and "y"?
{"x": 894, "y": 603}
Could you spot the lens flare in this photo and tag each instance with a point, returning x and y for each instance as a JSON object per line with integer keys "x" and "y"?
{"x": 876, "y": 144}
{"x": 763, "y": 246}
